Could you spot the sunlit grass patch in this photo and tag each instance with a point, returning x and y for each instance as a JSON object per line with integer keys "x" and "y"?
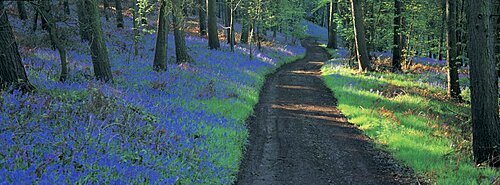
{"x": 410, "y": 118}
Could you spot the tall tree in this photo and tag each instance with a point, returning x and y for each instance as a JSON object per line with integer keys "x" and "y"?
{"x": 397, "y": 48}
{"x": 21, "y": 10}
{"x": 202, "y": 14}
{"x": 213, "y": 35}
{"x": 181, "y": 53}
{"x": 100, "y": 60}
{"x": 83, "y": 20}
{"x": 11, "y": 68}
{"x": 245, "y": 22}
{"x": 451, "y": 56}
{"x": 484, "y": 81}
{"x": 119, "y": 14}
{"x": 54, "y": 37}
{"x": 160, "y": 61}
{"x": 359, "y": 36}
{"x": 332, "y": 26}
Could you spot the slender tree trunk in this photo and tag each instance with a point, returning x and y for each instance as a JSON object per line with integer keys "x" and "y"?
{"x": 231, "y": 26}
{"x": 83, "y": 20}
{"x": 451, "y": 57}
{"x": 332, "y": 26}
{"x": 100, "y": 60}
{"x": 135, "y": 26}
{"x": 181, "y": 53}
{"x": 11, "y": 68}
{"x": 106, "y": 7}
{"x": 397, "y": 49}
{"x": 66, "y": 7}
{"x": 160, "y": 61}
{"x": 35, "y": 22}
{"x": 484, "y": 82}
{"x": 53, "y": 33}
{"x": 21, "y": 10}
{"x": 213, "y": 35}
{"x": 443, "y": 26}
{"x": 202, "y": 16}
{"x": 359, "y": 35}
{"x": 119, "y": 14}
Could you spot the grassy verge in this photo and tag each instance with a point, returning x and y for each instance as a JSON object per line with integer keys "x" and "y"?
{"x": 238, "y": 109}
{"x": 411, "y": 120}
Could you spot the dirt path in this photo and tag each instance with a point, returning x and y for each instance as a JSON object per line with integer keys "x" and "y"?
{"x": 298, "y": 136}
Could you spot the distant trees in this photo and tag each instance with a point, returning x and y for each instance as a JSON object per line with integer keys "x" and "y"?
{"x": 484, "y": 82}
{"x": 359, "y": 35}
{"x": 160, "y": 61}
{"x": 11, "y": 68}
{"x": 213, "y": 35}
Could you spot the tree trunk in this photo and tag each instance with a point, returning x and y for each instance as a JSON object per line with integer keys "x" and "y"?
{"x": 397, "y": 49}
{"x": 451, "y": 57}
{"x": 11, "y": 68}
{"x": 160, "y": 61}
{"x": 35, "y": 22}
{"x": 119, "y": 14}
{"x": 213, "y": 35}
{"x": 484, "y": 88}
{"x": 46, "y": 10}
{"x": 21, "y": 10}
{"x": 181, "y": 53}
{"x": 359, "y": 35}
{"x": 202, "y": 14}
{"x": 106, "y": 7}
{"x": 100, "y": 60}
{"x": 443, "y": 26}
{"x": 135, "y": 26}
{"x": 83, "y": 20}
{"x": 66, "y": 7}
{"x": 231, "y": 26}
{"x": 332, "y": 26}
{"x": 55, "y": 40}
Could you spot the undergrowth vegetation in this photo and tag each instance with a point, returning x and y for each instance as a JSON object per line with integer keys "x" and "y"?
{"x": 410, "y": 116}
{"x": 183, "y": 125}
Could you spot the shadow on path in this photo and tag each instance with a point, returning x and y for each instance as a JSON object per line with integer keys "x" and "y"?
{"x": 298, "y": 136}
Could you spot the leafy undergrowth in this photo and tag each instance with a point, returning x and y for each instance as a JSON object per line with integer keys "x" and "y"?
{"x": 412, "y": 119}
{"x": 184, "y": 125}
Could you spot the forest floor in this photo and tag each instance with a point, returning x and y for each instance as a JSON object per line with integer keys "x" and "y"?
{"x": 298, "y": 136}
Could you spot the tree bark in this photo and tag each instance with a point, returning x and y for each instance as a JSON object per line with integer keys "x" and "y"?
{"x": 119, "y": 14}
{"x": 135, "y": 26}
{"x": 213, "y": 35}
{"x": 451, "y": 57}
{"x": 484, "y": 88}
{"x": 202, "y": 14}
{"x": 53, "y": 33}
{"x": 21, "y": 10}
{"x": 100, "y": 60}
{"x": 11, "y": 68}
{"x": 160, "y": 61}
{"x": 181, "y": 53}
{"x": 332, "y": 26}
{"x": 359, "y": 35}
{"x": 397, "y": 49}
{"x": 83, "y": 20}
{"x": 106, "y": 7}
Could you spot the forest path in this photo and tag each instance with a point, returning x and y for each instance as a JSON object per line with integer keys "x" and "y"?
{"x": 298, "y": 136}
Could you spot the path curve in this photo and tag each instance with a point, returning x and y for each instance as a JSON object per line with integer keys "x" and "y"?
{"x": 298, "y": 136}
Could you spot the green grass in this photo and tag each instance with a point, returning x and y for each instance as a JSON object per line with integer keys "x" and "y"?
{"x": 421, "y": 131}
{"x": 239, "y": 109}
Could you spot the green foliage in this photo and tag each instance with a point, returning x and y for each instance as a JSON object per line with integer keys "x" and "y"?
{"x": 422, "y": 131}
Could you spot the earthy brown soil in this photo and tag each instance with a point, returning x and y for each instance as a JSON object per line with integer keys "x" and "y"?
{"x": 298, "y": 136}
